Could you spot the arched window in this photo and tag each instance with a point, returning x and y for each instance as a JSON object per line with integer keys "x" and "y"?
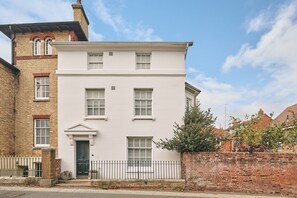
{"x": 47, "y": 46}
{"x": 37, "y": 46}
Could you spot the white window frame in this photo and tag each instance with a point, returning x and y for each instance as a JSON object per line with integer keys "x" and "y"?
{"x": 93, "y": 63}
{"x": 48, "y": 50}
{"x": 100, "y": 101}
{"x": 37, "y": 46}
{"x": 189, "y": 102}
{"x": 46, "y": 132}
{"x": 41, "y": 88}
{"x": 140, "y": 145}
{"x": 143, "y": 61}
{"x": 142, "y": 103}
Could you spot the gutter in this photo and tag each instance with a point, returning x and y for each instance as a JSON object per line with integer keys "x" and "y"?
{"x": 187, "y": 47}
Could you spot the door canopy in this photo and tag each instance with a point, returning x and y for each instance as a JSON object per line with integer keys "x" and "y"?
{"x": 81, "y": 131}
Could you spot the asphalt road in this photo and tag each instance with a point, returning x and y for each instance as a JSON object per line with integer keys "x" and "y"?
{"x": 25, "y": 192}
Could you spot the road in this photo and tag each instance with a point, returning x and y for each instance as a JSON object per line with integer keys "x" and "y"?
{"x": 26, "y": 192}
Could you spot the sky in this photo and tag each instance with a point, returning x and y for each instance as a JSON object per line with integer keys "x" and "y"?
{"x": 244, "y": 55}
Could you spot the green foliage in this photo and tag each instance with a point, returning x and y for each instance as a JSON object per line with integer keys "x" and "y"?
{"x": 196, "y": 134}
{"x": 247, "y": 133}
{"x": 272, "y": 137}
{"x": 290, "y": 133}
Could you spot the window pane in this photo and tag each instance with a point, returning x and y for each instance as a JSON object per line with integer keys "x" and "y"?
{"x": 136, "y": 153}
{"x": 90, "y": 111}
{"x": 95, "y": 61}
{"x": 137, "y": 94}
{"x": 148, "y": 153}
{"x": 143, "y": 102}
{"x": 143, "y": 61}
{"x": 130, "y": 153}
{"x": 96, "y": 111}
{"x": 137, "y": 111}
{"x": 130, "y": 142}
{"x": 142, "y": 153}
{"x": 37, "y": 123}
{"x": 149, "y": 111}
{"x": 141, "y": 150}
{"x": 149, "y": 143}
{"x": 42, "y": 132}
{"x": 142, "y": 142}
{"x": 136, "y": 142}
{"x": 42, "y": 87}
{"x": 95, "y": 102}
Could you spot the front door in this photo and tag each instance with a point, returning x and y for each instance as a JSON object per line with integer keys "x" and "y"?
{"x": 82, "y": 158}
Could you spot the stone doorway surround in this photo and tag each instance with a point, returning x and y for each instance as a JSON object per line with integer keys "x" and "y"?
{"x": 81, "y": 132}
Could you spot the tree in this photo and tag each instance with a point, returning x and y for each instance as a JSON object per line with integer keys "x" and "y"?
{"x": 251, "y": 136}
{"x": 290, "y": 133}
{"x": 194, "y": 135}
{"x": 247, "y": 133}
{"x": 272, "y": 138}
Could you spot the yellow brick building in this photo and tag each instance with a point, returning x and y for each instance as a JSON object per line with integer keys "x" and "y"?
{"x": 28, "y": 102}
{"x": 8, "y": 86}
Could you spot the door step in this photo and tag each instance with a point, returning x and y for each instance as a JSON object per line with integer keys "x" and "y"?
{"x": 73, "y": 183}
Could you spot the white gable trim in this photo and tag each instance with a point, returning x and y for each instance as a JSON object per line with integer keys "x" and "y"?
{"x": 80, "y": 130}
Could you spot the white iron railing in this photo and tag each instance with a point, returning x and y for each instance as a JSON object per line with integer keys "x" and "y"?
{"x": 20, "y": 166}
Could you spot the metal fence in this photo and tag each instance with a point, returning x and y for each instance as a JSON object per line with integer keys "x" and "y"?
{"x": 135, "y": 170}
{"x": 20, "y": 166}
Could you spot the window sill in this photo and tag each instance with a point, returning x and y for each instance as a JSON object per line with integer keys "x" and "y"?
{"x": 143, "y": 118}
{"x": 40, "y": 147}
{"x": 96, "y": 118}
{"x": 41, "y": 100}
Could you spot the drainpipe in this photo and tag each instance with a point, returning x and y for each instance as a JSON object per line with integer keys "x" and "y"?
{"x": 12, "y": 37}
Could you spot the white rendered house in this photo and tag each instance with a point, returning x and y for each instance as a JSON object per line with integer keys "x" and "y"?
{"x": 115, "y": 98}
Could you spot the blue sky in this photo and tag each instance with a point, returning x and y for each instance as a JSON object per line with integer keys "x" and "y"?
{"x": 244, "y": 56}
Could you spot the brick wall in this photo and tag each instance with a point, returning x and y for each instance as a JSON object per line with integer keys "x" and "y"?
{"x": 268, "y": 173}
{"x": 58, "y": 167}
{"x": 174, "y": 185}
{"x": 8, "y": 89}
{"x": 26, "y": 106}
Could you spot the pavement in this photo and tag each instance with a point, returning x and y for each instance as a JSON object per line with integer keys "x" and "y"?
{"x": 120, "y": 193}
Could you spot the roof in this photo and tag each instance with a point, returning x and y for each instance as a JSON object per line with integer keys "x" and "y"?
{"x": 192, "y": 88}
{"x": 44, "y": 27}
{"x": 286, "y": 116}
{"x": 122, "y": 45}
{"x": 9, "y": 66}
{"x": 219, "y": 132}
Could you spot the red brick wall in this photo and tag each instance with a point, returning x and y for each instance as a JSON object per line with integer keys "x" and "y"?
{"x": 159, "y": 185}
{"x": 268, "y": 173}
{"x": 58, "y": 167}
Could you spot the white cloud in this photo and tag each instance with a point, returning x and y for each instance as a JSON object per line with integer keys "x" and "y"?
{"x": 135, "y": 32}
{"x": 222, "y": 98}
{"x": 226, "y": 100}
{"x": 262, "y": 21}
{"x": 13, "y": 11}
{"x": 93, "y": 36}
{"x": 104, "y": 14}
{"x": 275, "y": 54}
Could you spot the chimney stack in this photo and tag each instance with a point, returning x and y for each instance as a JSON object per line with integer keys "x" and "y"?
{"x": 80, "y": 16}
{"x": 260, "y": 112}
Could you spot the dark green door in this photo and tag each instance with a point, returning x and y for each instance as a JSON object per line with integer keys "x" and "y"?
{"x": 82, "y": 158}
